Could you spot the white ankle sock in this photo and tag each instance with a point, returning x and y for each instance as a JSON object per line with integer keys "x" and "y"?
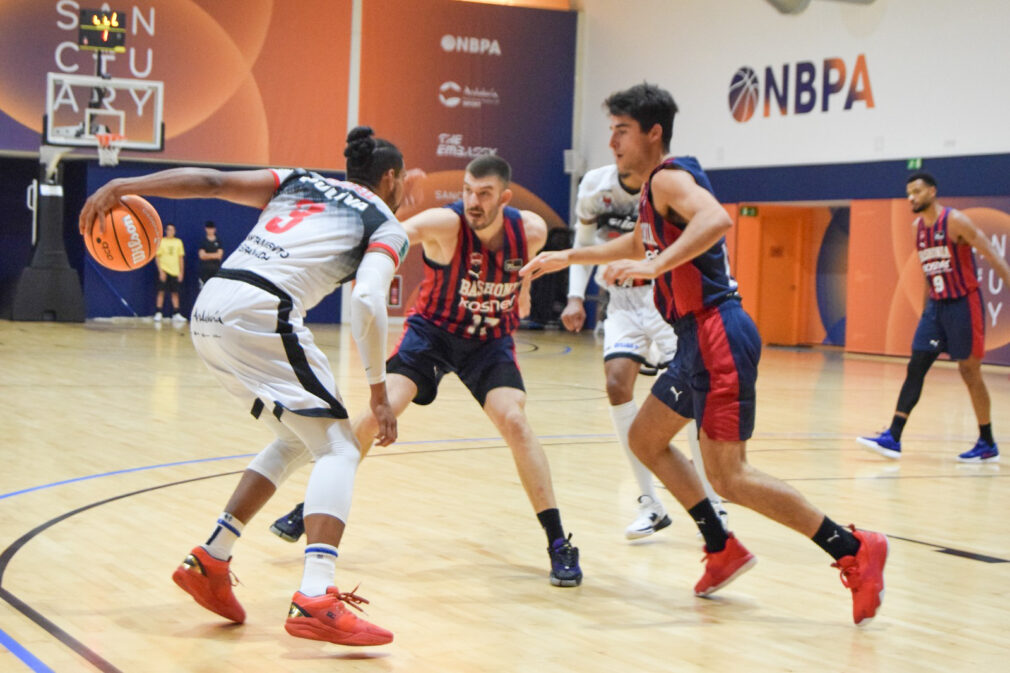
{"x": 320, "y": 569}
{"x": 623, "y": 415}
{"x": 223, "y": 538}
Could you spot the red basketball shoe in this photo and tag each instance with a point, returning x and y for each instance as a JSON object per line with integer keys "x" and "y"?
{"x": 724, "y": 566}
{"x": 327, "y": 618}
{"x": 209, "y": 581}
{"x": 863, "y": 574}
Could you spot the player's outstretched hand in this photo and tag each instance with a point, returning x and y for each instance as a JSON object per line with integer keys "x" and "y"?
{"x": 625, "y": 269}
{"x": 574, "y": 315}
{"x": 96, "y": 207}
{"x": 544, "y": 263}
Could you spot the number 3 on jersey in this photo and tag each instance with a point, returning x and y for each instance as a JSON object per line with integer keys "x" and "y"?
{"x": 302, "y": 209}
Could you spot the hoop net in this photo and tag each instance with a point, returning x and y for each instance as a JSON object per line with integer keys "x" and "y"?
{"x": 109, "y": 145}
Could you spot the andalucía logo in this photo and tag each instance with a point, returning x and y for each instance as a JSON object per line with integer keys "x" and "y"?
{"x": 796, "y": 88}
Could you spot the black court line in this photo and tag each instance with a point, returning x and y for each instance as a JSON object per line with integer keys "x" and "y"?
{"x": 49, "y": 627}
{"x": 953, "y": 552}
{"x": 105, "y": 666}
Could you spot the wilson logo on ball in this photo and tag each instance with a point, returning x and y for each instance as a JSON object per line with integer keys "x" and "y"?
{"x": 797, "y": 87}
{"x": 133, "y": 243}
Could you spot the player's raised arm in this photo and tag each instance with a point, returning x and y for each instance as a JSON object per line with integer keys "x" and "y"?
{"x": 675, "y": 192}
{"x": 536, "y": 230}
{"x": 961, "y": 228}
{"x": 434, "y": 228}
{"x": 249, "y": 188}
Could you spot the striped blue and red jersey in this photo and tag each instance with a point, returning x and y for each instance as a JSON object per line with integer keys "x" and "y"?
{"x": 702, "y": 282}
{"x": 476, "y": 295}
{"x": 949, "y": 266}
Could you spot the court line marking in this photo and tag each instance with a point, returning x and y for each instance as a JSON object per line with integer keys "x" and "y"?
{"x": 41, "y": 620}
{"x": 943, "y": 549}
{"x": 29, "y": 659}
{"x": 106, "y": 667}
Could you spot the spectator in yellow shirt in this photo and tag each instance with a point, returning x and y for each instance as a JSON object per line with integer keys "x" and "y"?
{"x": 171, "y": 268}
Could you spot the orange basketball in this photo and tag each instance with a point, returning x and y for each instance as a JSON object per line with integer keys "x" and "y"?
{"x": 132, "y": 235}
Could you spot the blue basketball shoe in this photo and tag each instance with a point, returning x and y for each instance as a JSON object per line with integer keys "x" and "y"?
{"x": 884, "y": 444}
{"x": 982, "y": 452}
{"x": 291, "y": 526}
{"x": 565, "y": 571}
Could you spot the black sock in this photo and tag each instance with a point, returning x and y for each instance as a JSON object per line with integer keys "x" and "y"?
{"x": 835, "y": 540}
{"x": 710, "y": 526}
{"x": 550, "y": 520}
{"x": 898, "y": 426}
{"x": 985, "y": 432}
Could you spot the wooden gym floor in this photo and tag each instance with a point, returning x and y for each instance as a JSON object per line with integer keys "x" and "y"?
{"x": 120, "y": 449}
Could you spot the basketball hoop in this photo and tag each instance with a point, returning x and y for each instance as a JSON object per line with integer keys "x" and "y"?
{"x": 109, "y": 145}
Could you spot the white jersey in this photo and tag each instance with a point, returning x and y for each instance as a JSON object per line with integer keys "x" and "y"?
{"x": 248, "y": 322}
{"x": 633, "y": 324}
{"x": 313, "y": 233}
{"x": 604, "y": 201}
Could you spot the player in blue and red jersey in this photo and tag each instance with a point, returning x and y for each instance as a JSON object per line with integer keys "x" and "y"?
{"x": 953, "y": 320}
{"x": 466, "y": 311}
{"x": 680, "y": 243}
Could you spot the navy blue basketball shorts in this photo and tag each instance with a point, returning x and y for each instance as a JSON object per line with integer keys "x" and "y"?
{"x": 426, "y": 353}
{"x": 954, "y": 326}
{"x": 673, "y": 388}
{"x": 718, "y": 350}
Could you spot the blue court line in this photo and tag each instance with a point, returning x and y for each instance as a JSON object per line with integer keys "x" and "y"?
{"x": 29, "y": 659}
{"x": 250, "y": 455}
{"x": 115, "y": 472}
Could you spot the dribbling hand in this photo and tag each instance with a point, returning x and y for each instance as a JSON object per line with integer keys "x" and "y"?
{"x": 96, "y": 208}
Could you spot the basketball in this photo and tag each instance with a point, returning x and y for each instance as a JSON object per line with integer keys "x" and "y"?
{"x": 131, "y": 238}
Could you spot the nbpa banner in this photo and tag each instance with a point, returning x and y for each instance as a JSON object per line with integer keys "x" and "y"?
{"x": 447, "y": 81}
{"x": 260, "y": 82}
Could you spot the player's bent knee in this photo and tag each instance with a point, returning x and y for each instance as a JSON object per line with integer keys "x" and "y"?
{"x": 279, "y": 460}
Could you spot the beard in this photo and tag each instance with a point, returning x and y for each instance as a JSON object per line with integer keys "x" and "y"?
{"x": 921, "y": 207}
{"x": 483, "y": 221}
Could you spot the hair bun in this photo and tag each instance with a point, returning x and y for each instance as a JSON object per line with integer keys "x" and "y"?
{"x": 360, "y": 144}
{"x": 359, "y": 133}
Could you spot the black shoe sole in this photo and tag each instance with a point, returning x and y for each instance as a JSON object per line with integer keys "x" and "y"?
{"x": 287, "y": 537}
{"x": 565, "y": 583}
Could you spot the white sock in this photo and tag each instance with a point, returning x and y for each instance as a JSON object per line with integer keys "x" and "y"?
{"x": 699, "y": 466}
{"x": 223, "y": 538}
{"x": 320, "y": 569}
{"x": 623, "y": 415}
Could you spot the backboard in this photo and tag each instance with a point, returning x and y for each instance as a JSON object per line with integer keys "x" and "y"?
{"x": 80, "y": 106}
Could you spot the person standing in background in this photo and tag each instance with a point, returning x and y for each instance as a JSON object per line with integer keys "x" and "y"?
{"x": 211, "y": 253}
{"x": 171, "y": 268}
{"x": 953, "y": 319}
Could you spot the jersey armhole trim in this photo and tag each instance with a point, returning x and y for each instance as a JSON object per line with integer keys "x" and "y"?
{"x": 386, "y": 249}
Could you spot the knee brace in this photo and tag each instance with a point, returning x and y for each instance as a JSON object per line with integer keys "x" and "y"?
{"x": 279, "y": 460}
{"x": 335, "y": 449}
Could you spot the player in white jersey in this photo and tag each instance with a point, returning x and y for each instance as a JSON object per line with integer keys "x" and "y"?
{"x": 248, "y": 326}
{"x": 607, "y": 207}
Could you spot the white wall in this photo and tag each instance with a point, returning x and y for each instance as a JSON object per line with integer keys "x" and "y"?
{"x": 939, "y": 71}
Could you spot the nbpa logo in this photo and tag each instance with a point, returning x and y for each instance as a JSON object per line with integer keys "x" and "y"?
{"x": 470, "y": 45}
{"x": 801, "y": 85}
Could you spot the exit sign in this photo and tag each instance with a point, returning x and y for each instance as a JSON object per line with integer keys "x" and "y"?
{"x": 748, "y": 211}
{"x": 913, "y": 164}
